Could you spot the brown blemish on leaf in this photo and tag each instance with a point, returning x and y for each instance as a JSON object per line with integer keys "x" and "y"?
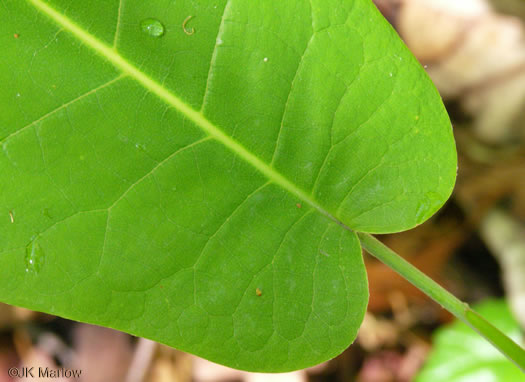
{"x": 258, "y": 292}
{"x": 16, "y": 35}
{"x": 299, "y": 205}
{"x": 191, "y": 31}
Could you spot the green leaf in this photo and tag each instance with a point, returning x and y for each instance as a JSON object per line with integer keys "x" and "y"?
{"x": 460, "y": 354}
{"x": 192, "y": 179}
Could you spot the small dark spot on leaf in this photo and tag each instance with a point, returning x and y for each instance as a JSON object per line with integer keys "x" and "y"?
{"x": 258, "y": 292}
{"x": 46, "y": 213}
{"x": 299, "y": 205}
{"x": 161, "y": 287}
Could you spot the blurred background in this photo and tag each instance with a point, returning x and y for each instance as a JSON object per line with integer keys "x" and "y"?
{"x": 474, "y": 50}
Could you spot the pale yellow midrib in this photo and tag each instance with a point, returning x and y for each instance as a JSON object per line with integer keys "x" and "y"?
{"x": 196, "y": 117}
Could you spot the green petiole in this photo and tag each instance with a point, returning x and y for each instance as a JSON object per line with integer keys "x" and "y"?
{"x": 461, "y": 310}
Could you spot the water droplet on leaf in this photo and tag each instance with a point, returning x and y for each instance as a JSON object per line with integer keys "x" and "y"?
{"x": 152, "y": 27}
{"x": 265, "y": 59}
{"x": 34, "y": 256}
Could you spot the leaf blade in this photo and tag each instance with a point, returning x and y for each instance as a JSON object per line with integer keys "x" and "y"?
{"x": 155, "y": 190}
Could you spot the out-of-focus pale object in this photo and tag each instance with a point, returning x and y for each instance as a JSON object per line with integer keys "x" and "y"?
{"x": 206, "y": 371}
{"x": 296, "y": 376}
{"x": 473, "y": 55}
{"x": 504, "y": 235}
{"x": 460, "y": 8}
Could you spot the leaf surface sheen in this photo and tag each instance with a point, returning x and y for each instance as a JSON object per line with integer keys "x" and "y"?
{"x": 192, "y": 188}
